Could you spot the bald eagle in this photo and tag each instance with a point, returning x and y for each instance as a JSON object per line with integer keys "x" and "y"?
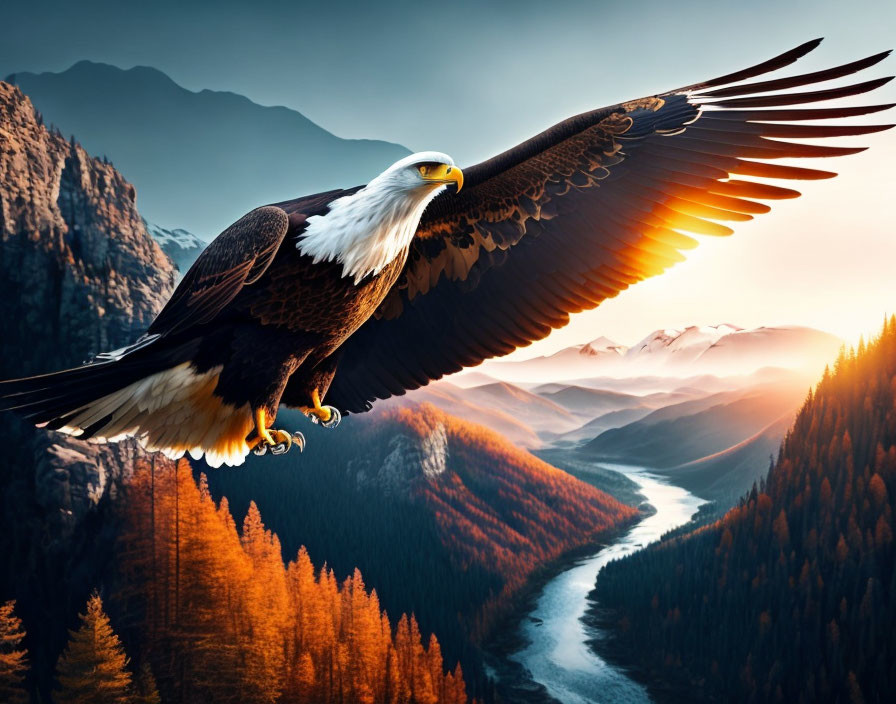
{"x": 355, "y": 295}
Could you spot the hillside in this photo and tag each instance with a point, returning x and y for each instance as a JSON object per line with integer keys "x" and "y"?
{"x": 723, "y": 477}
{"x": 689, "y": 431}
{"x": 219, "y": 617}
{"x": 199, "y": 160}
{"x": 457, "y": 402}
{"x": 795, "y": 585}
{"x": 591, "y": 403}
{"x": 422, "y": 497}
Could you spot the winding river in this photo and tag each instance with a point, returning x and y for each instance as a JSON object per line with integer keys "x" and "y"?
{"x": 557, "y": 655}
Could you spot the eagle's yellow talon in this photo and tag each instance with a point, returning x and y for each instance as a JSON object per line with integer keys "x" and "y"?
{"x": 277, "y": 441}
{"x": 326, "y": 416}
{"x": 269, "y": 436}
{"x": 261, "y": 428}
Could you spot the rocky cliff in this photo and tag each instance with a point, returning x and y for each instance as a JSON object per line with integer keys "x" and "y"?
{"x": 78, "y": 267}
{"x": 78, "y": 274}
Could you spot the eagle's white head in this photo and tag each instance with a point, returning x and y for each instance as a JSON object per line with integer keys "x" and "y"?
{"x": 370, "y": 228}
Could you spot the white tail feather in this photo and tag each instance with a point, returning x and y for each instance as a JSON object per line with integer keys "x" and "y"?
{"x": 173, "y": 411}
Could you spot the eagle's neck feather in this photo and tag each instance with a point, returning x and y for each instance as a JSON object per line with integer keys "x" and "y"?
{"x": 367, "y": 230}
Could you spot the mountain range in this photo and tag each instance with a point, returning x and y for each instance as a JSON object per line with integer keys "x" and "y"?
{"x": 181, "y": 246}
{"x": 720, "y": 350}
{"x": 706, "y": 406}
{"x": 199, "y": 160}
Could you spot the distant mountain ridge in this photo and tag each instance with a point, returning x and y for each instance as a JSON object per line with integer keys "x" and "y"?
{"x": 199, "y": 160}
{"x": 686, "y": 432}
{"x": 721, "y": 350}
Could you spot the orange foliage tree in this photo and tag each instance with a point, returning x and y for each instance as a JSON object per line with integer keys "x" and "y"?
{"x": 13, "y": 657}
{"x": 93, "y": 667}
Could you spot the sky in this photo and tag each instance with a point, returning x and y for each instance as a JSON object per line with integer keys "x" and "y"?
{"x": 472, "y": 78}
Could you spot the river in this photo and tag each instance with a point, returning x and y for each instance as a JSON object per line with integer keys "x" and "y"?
{"x": 557, "y": 655}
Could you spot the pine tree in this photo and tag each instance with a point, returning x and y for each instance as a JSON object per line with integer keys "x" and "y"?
{"x": 93, "y": 668}
{"x": 13, "y": 658}
{"x": 146, "y": 690}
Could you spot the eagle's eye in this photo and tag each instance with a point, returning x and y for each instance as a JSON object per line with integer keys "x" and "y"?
{"x": 424, "y": 169}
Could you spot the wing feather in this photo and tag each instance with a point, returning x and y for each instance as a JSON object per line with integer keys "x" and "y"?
{"x": 238, "y": 257}
{"x": 588, "y": 208}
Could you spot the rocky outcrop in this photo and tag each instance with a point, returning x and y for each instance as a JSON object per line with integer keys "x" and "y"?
{"x": 79, "y": 274}
{"x": 411, "y": 458}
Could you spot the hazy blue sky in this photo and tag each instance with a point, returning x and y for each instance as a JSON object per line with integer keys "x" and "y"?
{"x": 463, "y": 76}
{"x": 474, "y": 77}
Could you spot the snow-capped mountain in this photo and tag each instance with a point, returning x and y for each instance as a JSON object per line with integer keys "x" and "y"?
{"x": 602, "y": 346}
{"x": 719, "y": 350}
{"x": 183, "y": 247}
{"x": 684, "y": 345}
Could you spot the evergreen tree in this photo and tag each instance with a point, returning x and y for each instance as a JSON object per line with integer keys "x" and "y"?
{"x": 13, "y": 658}
{"x": 93, "y": 668}
{"x": 146, "y": 690}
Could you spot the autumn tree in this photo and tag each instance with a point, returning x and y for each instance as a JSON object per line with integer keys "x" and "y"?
{"x": 13, "y": 657}
{"x": 93, "y": 667}
{"x": 146, "y": 691}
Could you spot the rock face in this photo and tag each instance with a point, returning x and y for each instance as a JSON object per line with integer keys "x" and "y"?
{"x": 411, "y": 459}
{"x": 78, "y": 264}
{"x": 80, "y": 274}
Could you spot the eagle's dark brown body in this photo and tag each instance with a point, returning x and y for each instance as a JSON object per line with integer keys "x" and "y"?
{"x": 286, "y": 327}
{"x": 291, "y": 323}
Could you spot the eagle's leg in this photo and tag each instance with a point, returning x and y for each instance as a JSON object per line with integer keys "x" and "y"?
{"x": 327, "y": 416}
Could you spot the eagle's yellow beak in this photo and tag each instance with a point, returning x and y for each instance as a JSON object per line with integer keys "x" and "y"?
{"x": 443, "y": 173}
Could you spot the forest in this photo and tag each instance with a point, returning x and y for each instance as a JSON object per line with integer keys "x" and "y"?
{"x": 203, "y": 602}
{"x": 206, "y": 612}
{"x": 795, "y": 584}
{"x": 456, "y": 547}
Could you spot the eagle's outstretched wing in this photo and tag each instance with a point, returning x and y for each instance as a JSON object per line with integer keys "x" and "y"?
{"x": 235, "y": 258}
{"x": 582, "y": 211}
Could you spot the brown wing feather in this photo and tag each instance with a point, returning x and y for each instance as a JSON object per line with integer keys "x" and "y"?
{"x": 582, "y": 211}
{"x": 235, "y": 258}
